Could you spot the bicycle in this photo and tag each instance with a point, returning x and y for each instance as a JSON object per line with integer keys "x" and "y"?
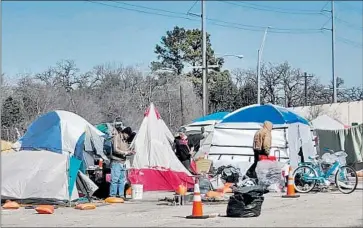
{"x": 321, "y": 172}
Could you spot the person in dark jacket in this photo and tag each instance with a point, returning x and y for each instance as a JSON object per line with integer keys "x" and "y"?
{"x": 131, "y": 138}
{"x": 194, "y": 141}
{"x": 183, "y": 149}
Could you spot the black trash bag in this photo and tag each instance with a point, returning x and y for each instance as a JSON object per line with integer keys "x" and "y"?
{"x": 246, "y": 203}
{"x": 229, "y": 174}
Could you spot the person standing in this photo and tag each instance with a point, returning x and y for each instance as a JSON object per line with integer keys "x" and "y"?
{"x": 118, "y": 160}
{"x": 183, "y": 150}
{"x": 261, "y": 146}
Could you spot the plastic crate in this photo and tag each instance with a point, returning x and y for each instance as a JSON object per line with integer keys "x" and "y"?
{"x": 264, "y": 157}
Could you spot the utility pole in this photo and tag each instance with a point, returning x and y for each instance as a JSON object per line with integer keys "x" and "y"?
{"x": 259, "y": 57}
{"x": 306, "y": 76}
{"x": 181, "y": 104}
{"x": 204, "y": 59}
{"x": 333, "y": 53}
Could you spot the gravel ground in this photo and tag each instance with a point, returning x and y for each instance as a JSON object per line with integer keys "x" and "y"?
{"x": 316, "y": 209}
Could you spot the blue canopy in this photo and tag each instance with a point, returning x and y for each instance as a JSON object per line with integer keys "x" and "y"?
{"x": 261, "y": 113}
{"x": 213, "y": 116}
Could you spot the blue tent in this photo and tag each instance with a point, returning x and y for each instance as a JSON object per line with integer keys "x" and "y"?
{"x": 214, "y": 116}
{"x": 62, "y": 132}
{"x": 261, "y": 113}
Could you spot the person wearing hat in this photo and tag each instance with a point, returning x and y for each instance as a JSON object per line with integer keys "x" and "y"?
{"x": 118, "y": 159}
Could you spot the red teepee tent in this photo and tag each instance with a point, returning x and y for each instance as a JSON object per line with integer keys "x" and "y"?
{"x": 155, "y": 164}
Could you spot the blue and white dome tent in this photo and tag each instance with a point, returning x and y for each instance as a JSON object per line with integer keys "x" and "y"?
{"x": 56, "y": 141}
{"x": 277, "y": 115}
{"x": 214, "y": 117}
{"x": 233, "y": 135}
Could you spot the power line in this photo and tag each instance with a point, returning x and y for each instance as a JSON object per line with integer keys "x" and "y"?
{"x": 210, "y": 19}
{"x": 215, "y": 22}
{"x": 350, "y": 7}
{"x": 190, "y": 9}
{"x": 273, "y": 9}
{"x": 323, "y": 26}
{"x": 325, "y": 5}
{"x": 140, "y": 11}
{"x": 262, "y": 27}
{"x": 350, "y": 25}
{"x": 349, "y": 42}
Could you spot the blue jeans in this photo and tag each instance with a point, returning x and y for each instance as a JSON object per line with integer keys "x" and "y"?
{"x": 118, "y": 179}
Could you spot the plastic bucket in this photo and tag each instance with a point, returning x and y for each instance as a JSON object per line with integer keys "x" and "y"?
{"x": 137, "y": 191}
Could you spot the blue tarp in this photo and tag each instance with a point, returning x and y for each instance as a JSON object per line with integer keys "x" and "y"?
{"x": 44, "y": 133}
{"x": 215, "y": 116}
{"x": 261, "y": 113}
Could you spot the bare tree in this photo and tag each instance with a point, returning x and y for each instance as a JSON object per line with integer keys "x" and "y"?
{"x": 108, "y": 91}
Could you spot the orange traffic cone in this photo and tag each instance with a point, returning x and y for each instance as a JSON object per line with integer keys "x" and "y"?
{"x": 290, "y": 187}
{"x": 197, "y": 212}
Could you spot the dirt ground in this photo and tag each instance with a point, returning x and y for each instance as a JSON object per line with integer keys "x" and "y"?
{"x": 332, "y": 209}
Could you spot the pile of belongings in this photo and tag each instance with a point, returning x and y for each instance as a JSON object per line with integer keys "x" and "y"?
{"x": 269, "y": 174}
{"x": 246, "y": 202}
{"x": 229, "y": 174}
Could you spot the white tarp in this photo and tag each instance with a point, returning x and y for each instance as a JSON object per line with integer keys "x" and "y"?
{"x": 345, "y": 112}
{"x": 85, "y": 184}
{"x": 94, "y": 142}
{"x": 208, "y": 126}
{"x": 299, "y": 135}
{"x": 325, "y": 122}
{"x": 205, "y": 145}
{"x": 35, "y": 174}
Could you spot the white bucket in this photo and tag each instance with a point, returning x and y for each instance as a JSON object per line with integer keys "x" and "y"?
{"x": 137, "y": 191}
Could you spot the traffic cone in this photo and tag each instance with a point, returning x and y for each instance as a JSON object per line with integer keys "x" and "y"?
{"x": 197, "y": 212}
{"x": 290, "y": 187}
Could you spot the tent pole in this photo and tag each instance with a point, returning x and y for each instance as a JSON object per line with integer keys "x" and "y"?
{"x": 68, "y": 169}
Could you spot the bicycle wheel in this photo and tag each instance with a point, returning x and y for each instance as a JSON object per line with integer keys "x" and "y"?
{"x": 303, "y": 179}
{"x": 346, "y": 179}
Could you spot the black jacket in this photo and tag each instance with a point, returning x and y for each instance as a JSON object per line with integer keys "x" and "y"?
{"x": 182, "y": 149}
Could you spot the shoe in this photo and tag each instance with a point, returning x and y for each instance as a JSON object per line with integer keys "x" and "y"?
{"x": 122, "y": 197}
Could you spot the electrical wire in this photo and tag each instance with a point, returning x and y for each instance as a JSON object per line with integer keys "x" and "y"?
{"x": 349, "y": 42}
{"x": 139, "y": 11}
{"x": 323, "y": 26}
{"x": 272, "y": 9}
{"x": 323, "y": 8}
{"x": 349, "y": 7}
{"x": 215, "y": 22}
{"x": 190, "y": 9}
{"x": 348, "y": 24}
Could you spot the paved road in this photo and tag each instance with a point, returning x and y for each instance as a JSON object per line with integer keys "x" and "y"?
{"x": 320, "y": 209}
